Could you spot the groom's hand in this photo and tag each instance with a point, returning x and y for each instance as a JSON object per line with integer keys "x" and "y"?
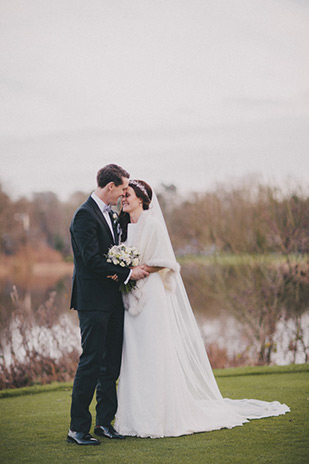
{"x": 138, "y": 273}
{"x": 113, "y": 277}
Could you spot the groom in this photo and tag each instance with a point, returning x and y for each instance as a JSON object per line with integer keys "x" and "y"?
{"x": 96, "y": 297}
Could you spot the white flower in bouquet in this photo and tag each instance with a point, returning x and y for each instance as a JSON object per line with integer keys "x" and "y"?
{"x": 124, "y": 256}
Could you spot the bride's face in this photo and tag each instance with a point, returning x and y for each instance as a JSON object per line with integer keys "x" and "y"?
{"x": 130, "y": 202}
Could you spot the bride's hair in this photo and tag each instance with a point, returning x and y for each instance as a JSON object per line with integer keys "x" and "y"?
{"x": 144, "y": 192}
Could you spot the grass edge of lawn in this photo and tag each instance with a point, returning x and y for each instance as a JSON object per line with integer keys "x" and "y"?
{"x": 228, "y": 372}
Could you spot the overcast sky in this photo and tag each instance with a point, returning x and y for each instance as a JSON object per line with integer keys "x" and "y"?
{"x": 188, "y": 92}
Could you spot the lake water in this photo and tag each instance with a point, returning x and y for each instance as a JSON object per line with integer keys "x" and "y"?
{"x": 35, "y": 315}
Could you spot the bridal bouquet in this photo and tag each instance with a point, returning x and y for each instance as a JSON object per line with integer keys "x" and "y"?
{"x": 124, "y": 256}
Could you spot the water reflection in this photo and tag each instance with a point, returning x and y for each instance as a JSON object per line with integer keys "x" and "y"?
{"x": 36, "y": 324}
{"x": 227, "y": 334}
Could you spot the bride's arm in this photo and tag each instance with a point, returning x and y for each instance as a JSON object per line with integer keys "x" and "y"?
{"x": 152, "y": 269}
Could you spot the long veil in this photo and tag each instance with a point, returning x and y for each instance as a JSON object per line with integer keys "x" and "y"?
{"x": 192, "y": 354}
{"x": 190, "y": 347}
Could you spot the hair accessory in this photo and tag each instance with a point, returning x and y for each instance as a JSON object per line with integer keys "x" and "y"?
{"x": 140, "y": 186}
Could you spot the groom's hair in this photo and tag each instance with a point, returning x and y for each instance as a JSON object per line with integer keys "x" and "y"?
{"x": 111, "y": 173}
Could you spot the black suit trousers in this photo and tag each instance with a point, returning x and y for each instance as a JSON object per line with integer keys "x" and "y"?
{"x": 98, "y": 368}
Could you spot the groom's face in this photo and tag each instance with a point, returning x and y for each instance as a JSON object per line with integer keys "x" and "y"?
{"x": 118, "y": 191}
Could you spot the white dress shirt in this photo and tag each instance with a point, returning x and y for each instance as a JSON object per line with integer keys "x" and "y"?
{"x": 102, "y": 205}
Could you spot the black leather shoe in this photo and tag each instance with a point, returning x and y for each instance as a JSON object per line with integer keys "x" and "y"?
{"x": 82, "y": 438}
{"x": 108, "y": 432}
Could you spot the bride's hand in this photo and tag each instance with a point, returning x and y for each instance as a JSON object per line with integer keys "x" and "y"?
{"x": 138, "y": 273}
{"x": 151, "y": 269}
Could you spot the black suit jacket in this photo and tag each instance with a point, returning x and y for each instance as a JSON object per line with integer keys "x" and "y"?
{"x": 91, "y": 238}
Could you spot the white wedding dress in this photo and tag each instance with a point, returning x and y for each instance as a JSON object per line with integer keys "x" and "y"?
{"x": 166, "y": 386}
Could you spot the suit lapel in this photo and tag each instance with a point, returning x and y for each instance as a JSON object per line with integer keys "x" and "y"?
{"x": 114, "y": 224}
{"x": 100, "y": 216}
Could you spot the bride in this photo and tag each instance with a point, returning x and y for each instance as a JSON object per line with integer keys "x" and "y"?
{"x": 166, "y": 386}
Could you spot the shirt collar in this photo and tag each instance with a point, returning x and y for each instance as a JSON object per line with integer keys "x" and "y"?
{"x": 99, "y": 202}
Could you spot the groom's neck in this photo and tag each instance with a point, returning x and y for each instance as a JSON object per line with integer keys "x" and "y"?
{"x": 102, "y": 194}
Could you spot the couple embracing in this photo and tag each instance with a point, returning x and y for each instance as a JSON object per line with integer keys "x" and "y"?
{"x": 148, "y": 336}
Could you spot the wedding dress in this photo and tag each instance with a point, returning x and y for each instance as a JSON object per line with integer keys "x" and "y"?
{"x": 166, "y": 385}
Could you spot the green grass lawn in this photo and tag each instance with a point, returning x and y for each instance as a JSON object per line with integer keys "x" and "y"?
{"x": 34, "y": 422}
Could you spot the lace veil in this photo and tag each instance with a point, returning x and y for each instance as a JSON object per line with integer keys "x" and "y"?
{"x": 189, "y": 344}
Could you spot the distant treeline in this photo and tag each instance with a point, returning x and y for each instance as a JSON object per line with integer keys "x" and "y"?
{"x": 248, "y": 218}
{"x": 245, "y": 219}
{"x": 40, "y": 222}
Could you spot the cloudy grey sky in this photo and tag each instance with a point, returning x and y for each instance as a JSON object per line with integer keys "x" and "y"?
{"x": 189, "y": 92}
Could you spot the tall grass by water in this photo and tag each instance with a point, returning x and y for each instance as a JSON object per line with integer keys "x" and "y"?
{"x": 251, "y": 309}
